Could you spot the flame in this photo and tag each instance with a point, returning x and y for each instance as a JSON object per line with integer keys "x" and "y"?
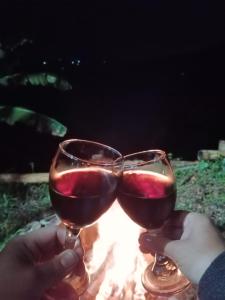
{"x": 116, "y": 263}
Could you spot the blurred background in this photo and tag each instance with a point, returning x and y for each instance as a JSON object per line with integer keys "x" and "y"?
{"x": 135, "y": 75}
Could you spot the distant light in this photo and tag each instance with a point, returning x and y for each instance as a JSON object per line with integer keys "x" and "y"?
{"x": 182, "y": 74}
{"x": 44, "y": 62}
{"x": 75, "y": 62}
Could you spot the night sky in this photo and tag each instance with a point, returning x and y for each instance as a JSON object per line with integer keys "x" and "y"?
{"x": 151, "y": 73}
{"x": 147, "y": 28}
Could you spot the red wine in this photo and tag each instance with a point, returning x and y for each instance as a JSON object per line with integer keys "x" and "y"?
{"x": 147, "y": 197}
{"x": 81, "y": 196}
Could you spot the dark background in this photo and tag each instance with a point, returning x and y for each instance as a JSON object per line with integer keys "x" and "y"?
{"x": 151, "y": 73}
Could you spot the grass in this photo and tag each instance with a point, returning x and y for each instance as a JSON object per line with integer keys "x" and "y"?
{"x": 200, "y": 187}
{"x": 20, "y": 204}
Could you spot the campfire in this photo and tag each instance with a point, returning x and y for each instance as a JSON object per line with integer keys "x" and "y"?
{"x": 114, "y": 261}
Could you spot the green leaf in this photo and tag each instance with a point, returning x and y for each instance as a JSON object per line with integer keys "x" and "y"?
{"x": 42, "y": 123}
{"x": 9, "y": 79}
{"x": 203, "y": 165}
{"x": 36, "y": 79}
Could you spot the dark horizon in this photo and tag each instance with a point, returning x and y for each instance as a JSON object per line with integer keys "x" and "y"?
{"x": 150, "y": 74}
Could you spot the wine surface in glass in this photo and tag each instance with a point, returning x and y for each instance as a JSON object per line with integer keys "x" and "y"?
{"x": 147, "y": 197}
{"x": 81, "y": 196}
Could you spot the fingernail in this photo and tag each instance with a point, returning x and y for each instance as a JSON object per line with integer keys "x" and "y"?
{"x": 68, "y": 259}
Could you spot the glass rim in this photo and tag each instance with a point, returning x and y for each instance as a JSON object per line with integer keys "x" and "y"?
{"x": 154, "y": 160}
{"x": 101, "y": 163}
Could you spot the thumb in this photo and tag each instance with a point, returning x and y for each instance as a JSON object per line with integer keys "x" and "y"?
{"x": 171, "y": 248}
{"x": 177, "y": 250}
{"x": 56, "y": 269}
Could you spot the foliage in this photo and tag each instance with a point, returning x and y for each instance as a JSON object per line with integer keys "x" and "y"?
{"x": 36, "y": 79}
{"x": 42, "y": 123}
{"x": 21, "y": 203}
{"x": 11, "y": 62}
{"x": 202, "y": 188}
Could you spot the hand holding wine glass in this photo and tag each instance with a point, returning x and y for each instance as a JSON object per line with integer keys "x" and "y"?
{"x": 83, "y": 182}
{"x": 187, "y": 232}
{"x": 147, "y": 193}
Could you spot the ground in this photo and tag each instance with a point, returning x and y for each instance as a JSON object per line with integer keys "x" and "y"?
{"x": 200, "y": 187}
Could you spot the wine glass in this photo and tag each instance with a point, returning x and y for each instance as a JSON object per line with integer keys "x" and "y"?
{"x": 82, "y": 183}
{"x": 147, "y": 193}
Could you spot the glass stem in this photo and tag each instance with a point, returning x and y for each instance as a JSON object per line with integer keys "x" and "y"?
{"x": 163, "y": 266}
{"x": 71, "y": 237}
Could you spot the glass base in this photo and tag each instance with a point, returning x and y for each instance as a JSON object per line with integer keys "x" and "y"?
{"x": 190, "y": 293}
{"x": 164, "y": 285}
